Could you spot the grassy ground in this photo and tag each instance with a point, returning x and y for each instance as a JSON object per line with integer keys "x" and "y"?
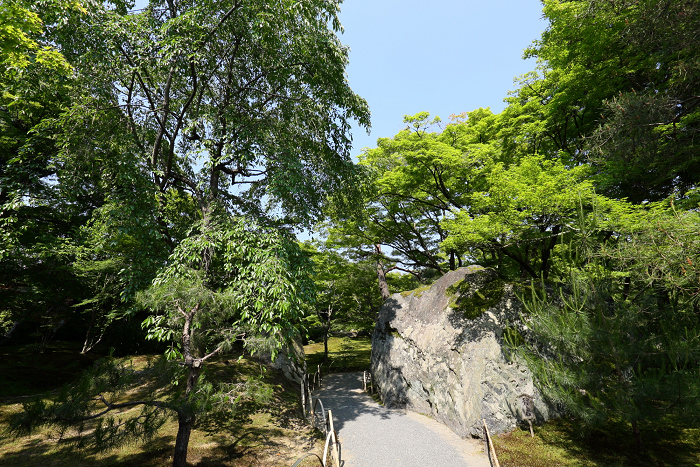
{"x": 561, "y": 444}
{"x": 344, "y": 354}
{"x": 273, "y": 435}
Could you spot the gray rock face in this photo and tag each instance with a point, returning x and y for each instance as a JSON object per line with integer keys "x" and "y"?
{"x": 439, "y": 351}
{"x": 290, "y": 360}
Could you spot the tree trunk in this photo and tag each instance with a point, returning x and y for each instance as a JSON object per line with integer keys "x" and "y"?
{"x": 547, "y": 248}
{"x": 185, "y": 422}
{"x": 637, "y": 435}
{"x": 381, "y": 275}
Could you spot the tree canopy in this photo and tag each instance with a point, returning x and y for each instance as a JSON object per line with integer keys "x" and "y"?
{"x": 155, "y": 163}
{"x": 177, "y": 146}
{"x": 586, "y": 185}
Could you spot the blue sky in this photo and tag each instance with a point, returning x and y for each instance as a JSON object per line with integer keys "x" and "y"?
{"x": 440, "y": 56}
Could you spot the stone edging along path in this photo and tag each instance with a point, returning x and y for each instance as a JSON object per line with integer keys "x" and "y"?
{"x": 371, "y": 435}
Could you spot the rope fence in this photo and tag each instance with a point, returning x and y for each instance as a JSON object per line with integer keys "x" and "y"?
{"x": 493, "y": 459}
{"x": 310, "y": 405}
{"x": 314, "y": 407}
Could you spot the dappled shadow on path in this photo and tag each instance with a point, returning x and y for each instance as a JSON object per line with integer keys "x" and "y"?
{"x": 342, "y": 394}
{"x": 371, "y": 434}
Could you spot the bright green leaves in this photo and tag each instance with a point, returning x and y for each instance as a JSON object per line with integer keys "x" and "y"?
{"x": 616, "y": 85}
{"x": 21, "y": 29}
{"x": 16, "y": 24}
{"x": 529, "y": 205}
{"x": 418, "y": 176}
{"x": 346, "y": 291}
{"x": 256, "y": 287}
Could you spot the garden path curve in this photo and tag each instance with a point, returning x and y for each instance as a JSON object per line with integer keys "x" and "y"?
{"x": 371, "y": 435}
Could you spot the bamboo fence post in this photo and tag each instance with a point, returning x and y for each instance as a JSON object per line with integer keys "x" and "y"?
{"x": 335, "y": 452}
{"x": 494, "y": 462}
{"x": 303, "y": 397}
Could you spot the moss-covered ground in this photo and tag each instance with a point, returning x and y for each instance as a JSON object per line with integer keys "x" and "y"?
{"x": 344, "y": 354}
{"x": 273, "y": 435}
{"x": 562, "y": 443}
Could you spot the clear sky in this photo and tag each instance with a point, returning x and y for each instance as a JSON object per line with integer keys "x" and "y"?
{"x": 440, "y": 56}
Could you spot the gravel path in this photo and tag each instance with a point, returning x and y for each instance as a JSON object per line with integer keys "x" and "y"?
{"x": 371, "y": 435}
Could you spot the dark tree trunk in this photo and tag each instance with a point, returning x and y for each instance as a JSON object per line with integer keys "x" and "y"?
{"x": 185, "y": 422}
{"x": 185, "y": 417}
{"x": 381, "y": 274}
{"x": 637, "y": 436}
{"x": 547, "y": 248}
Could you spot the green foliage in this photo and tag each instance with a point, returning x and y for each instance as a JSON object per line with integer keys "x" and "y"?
{"x": 21, "y": 44}
{"x": 523, "y": 211}
{"x": 472, "y": 300}
{"x": 415, "y": 179}
{"x": 400, "y": 282}
{"x": 616, "y": 85}
{"x": 660, "y": 251}
{"x": 346, "y": 292}
{"x": 218, "y": 66}
{"x": 34, "y": 251}
{"x": 622, "y": 341}
{"x": 251, "y": 285}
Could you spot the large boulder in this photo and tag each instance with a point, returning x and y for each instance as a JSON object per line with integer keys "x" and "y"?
{"x": 439, "y": 351}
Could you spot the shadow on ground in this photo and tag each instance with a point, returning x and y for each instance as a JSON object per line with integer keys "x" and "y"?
{"x": 342, "y": 394}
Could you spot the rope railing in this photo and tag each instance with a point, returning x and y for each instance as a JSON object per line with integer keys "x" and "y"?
{"x": 331, "y": 444}
{"x": 493, "y": 459}
{"x": 313, "y": 381}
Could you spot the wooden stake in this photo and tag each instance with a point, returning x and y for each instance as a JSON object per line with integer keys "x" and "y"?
{"x": 494, "y": 461}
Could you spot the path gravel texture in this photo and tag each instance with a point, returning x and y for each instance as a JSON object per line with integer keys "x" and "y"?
{"x": 371, "y": 435}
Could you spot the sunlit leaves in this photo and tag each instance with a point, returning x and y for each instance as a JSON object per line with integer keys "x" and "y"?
{"x": 525, "y": 206}
{"x": 258, "y": 285}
